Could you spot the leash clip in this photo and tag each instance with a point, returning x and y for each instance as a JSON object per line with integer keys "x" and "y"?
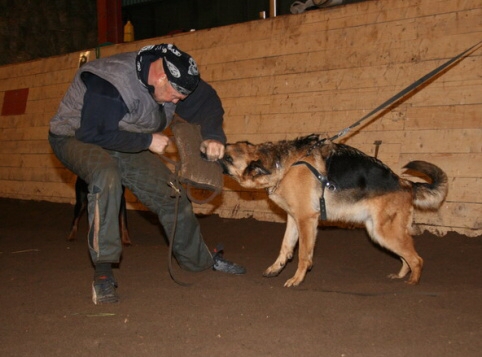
{"x": 175, "y": 190}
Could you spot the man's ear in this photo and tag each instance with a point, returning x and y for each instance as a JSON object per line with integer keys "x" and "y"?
{"x": 256, "y": 168}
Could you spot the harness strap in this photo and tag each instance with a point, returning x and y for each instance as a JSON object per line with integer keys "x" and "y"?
{"x": 324, "y": 183}
{"x": 322, "y": 178}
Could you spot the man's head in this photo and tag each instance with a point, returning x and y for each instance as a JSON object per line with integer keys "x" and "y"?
{"x": 169, "y": 73}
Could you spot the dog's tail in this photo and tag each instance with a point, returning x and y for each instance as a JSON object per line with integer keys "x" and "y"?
{"x": 428, "y": 195}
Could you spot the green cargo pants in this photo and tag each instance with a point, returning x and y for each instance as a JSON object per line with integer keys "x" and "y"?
{"x": 146, "y": 176}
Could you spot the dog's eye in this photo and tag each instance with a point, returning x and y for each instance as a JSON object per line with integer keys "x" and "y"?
{"x": 228, "y": 159}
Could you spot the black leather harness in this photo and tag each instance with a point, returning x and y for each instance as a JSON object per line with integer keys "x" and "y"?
{"x": 324, "y": 184}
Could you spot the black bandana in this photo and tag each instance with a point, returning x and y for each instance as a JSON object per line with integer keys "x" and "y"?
{"x": 181, "y": 69}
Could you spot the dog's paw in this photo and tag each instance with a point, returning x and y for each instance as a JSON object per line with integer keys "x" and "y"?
{"x": 294, "y": 281}
{"x": 274, "y": 269}
{"x": 299, "y": 276}
{"x": 271, "y": 272}
{"x": 394, "y": 276}
{"x": 410, "y": 281}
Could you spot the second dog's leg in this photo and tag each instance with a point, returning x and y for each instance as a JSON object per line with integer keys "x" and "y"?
{"x": 123, "y": 220}
{"x": 80, "y": 206}
{"x": 286, "y": 253}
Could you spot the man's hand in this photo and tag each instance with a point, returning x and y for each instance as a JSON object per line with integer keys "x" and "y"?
{"x": 159, "y": 143}
{"x": 213, "y": 149}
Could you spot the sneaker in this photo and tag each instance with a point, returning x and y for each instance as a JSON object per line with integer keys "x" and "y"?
{"x": 104, "y": 290}
{"x": 225, "y": 266}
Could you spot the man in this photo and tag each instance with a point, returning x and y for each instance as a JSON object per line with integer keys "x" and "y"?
{"x": 107, "y": 130}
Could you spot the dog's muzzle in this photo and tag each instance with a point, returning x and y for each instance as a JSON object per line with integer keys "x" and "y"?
{"x": 224, "y": 166}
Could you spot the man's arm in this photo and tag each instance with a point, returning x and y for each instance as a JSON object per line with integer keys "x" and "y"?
{"x": 204, "y": 107}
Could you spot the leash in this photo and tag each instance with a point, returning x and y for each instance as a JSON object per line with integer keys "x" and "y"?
{"x": 190, "y": 170}
{"x": 407, "y": 90}
{"x": 176, "y": 185}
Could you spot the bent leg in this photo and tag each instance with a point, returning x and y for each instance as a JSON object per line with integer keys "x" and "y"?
{"x": 147, "y": 177}
{"x": 392, "y": 232}
{"x": 99, "y": 169}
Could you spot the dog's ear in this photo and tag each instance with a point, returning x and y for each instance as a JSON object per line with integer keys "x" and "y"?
{"x": 256, "y": 168}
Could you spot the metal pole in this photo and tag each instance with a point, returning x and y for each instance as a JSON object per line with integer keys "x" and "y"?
{"x": 272, "y": 8}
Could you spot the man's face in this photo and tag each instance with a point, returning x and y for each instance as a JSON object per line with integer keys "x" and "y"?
{"x": 163, "y": 91}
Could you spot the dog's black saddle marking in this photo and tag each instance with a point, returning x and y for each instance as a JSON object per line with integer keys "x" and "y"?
{"x": 324, "y": 184}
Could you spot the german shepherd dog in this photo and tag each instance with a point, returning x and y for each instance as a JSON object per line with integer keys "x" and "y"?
{"x": 310, "y": 176}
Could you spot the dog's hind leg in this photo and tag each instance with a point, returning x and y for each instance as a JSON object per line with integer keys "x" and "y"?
{"x": 411, "y": 261}
{"x": 391, "y": 232}
{"x": 403, "y": 271}
{"x": 287, "y": 247}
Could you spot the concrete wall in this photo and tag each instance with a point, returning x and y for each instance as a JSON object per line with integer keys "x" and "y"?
{"x": 293, "y": 75}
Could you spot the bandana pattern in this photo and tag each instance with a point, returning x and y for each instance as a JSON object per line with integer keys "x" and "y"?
{"x": 180, "y": 68}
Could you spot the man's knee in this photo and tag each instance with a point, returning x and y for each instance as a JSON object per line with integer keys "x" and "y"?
{"x": 105, "y": 178}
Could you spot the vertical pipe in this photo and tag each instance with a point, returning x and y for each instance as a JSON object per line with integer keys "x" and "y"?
{"x": 272, "y": 8}
{"x": 109, "y": 21}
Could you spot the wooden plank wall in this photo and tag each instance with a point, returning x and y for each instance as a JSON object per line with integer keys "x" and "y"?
{"x": 293, "y": 75}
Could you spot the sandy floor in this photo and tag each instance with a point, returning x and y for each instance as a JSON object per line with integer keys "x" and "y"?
{"x": 345, "y": 307}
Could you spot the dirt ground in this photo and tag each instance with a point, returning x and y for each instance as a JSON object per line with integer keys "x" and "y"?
{"x": 345, "y": 307}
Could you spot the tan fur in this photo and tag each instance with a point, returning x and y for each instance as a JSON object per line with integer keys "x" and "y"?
{"x": 387, "y": 217}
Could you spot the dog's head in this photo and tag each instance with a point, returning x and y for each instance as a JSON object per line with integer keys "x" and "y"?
{"x": 244, "y": 162}
{"x": 263, "y": 165}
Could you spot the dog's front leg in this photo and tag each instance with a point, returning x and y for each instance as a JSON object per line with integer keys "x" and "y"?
{"x": 286, "y": 253}
{"x": 307, "y": 237}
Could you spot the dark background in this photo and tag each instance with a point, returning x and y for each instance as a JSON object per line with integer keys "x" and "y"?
{"x": 160, "y": 17}
{"x": 32, "y": 29}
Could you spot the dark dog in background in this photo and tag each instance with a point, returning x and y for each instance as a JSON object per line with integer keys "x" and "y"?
{"x": 310, "y": 176}
{"x": 81, "y": 191}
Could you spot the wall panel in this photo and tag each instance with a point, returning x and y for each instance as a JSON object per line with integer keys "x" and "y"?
{"x": 292, "y": 75}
